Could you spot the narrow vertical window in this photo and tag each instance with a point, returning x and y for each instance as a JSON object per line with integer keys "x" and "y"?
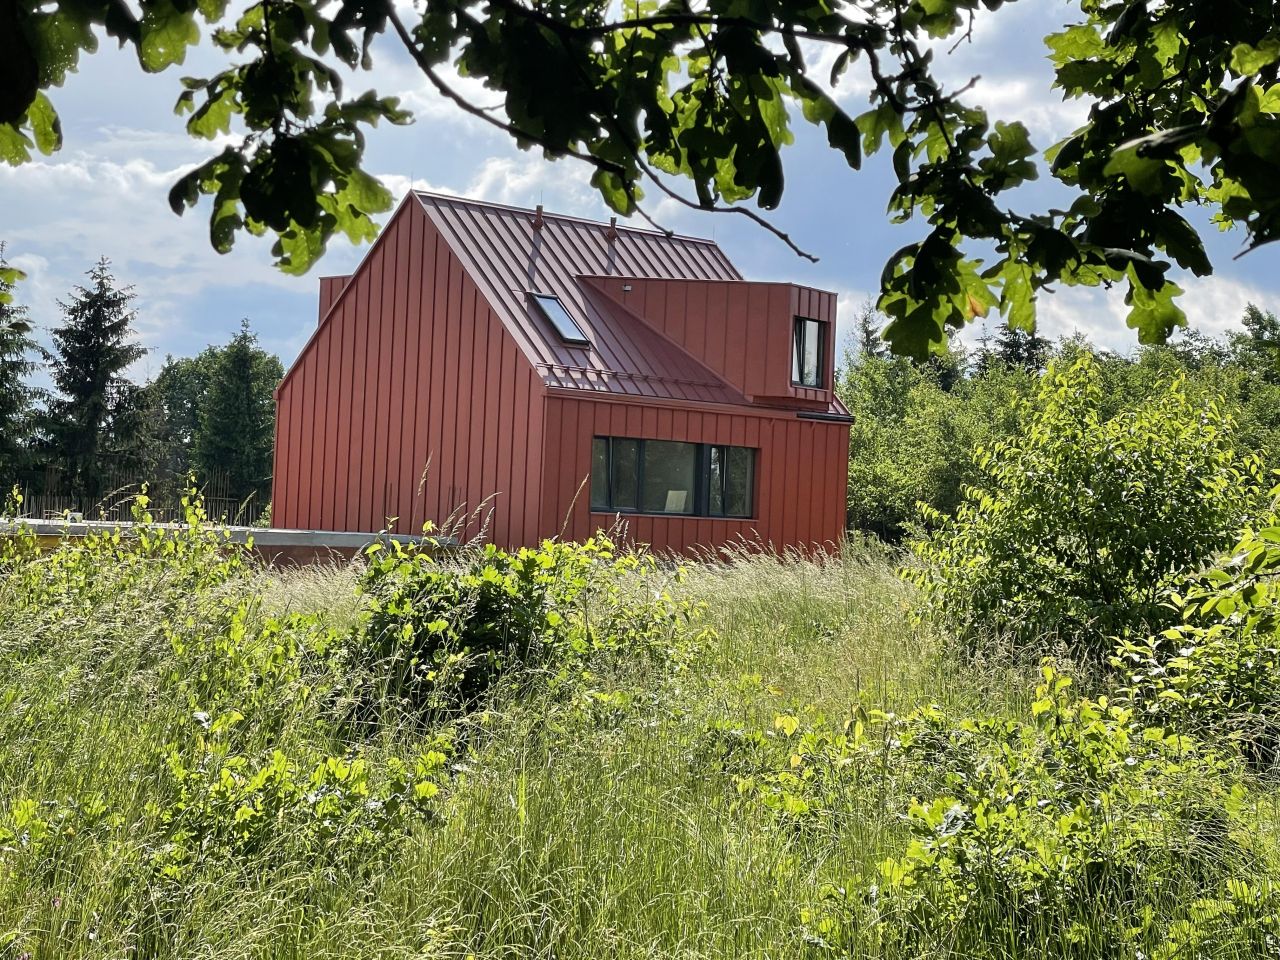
{"x": 730, "y": 477}
{"x": 808, "y": 353}
{"x": 624, "y": 473}
{"x": 600, "y": 474}
{"x": 715, "y": 481}
{"x": 740, "y": 475}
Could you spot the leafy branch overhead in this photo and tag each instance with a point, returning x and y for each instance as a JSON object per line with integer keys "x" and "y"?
{"x": 1184, "y": 110}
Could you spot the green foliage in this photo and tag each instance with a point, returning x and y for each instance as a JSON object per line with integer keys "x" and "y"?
{"x": 1071, "y": 830}
{"x": 182, "y": 776}
{"x": 237, "y": 416}
{"x": 1016, "y": 347}
{"x": 815, "y": 779}
{"x": 917, "y": 427}
{"x": 93, "y": 421}
{"x": 177, "y": 396}
{"x": 18, "y": 353}
{"x": 1217, "y": 674}
{"x": 333, "y": 809}
{"x": 1064, "y": 836}
{"x": 441, "y": 635}
{"x": 1259, "y": 346}
{"x": 1183, "y": 110}
{"x": 96, "y": 568}
{"x": 1080, "y": 523}
{"x": 912, "y": 441}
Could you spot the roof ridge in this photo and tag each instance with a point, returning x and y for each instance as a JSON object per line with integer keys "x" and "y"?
{"x": 572, "y": 218}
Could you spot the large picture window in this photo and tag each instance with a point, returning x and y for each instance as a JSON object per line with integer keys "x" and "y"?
{"x": 808, "y": 353}
{"x": 672, "y": 477}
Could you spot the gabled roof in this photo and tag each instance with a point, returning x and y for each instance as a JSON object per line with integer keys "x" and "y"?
{"x": 508, "y": 259}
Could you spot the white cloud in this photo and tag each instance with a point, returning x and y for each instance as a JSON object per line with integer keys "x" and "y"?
{"x": 849, "y": 306}
{"x": 528, "y": 180}
{"x": 1213, "y": 305}
{"x": 518, "y": 179}
{"x": 62, "y": 215}
{"x": 1048, "y": 118}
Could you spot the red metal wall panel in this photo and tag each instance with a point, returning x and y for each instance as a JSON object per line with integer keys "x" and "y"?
{"x": 800, "y": 473}
{"x": 412, "y": 367}
{"x": 740, "y": 329}
{"x": 414, "y": 400}
{"x": 330, "y": 288}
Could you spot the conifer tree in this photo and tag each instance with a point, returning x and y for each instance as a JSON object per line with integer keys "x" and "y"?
{"x": 18, "y": 353}
{"x": 237, "y": 418}
{"x": 869, "y": 342}
{"x": 1018, "y": 348}
{"x": 93, "y": 424}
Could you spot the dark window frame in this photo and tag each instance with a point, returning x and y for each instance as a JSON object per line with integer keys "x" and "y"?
{"x": 701, "y": 486}
{"x": 573, "y": 336}
{"x": 821, "y": 327}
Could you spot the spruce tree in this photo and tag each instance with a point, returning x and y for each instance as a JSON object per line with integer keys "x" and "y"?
{"x": 18, "y": 353}
{"x": 869, "y": 323}
{"x": 93, "y": 422}
{"x": 1018, "y": 348}
{"x": 237, "y": 418}
{"x": 984, "y": 356}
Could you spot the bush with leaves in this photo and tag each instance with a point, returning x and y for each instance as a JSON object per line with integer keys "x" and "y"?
{"x": 1217, "y": 674}
{"x": 442, "y": 633}
{"x": 1065, "y": 836}
{"x": 1080, "y": 524}
{"x": 232, "y": 807}
{"x": 912, "y": 440}
{"x": 186, "y": 559}
{"x": 813, "y": 777}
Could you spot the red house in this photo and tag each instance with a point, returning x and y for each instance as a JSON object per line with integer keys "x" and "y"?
{"x": 562, "y": 372}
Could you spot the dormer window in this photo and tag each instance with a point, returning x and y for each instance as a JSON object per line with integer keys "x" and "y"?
{"x": 808, "y": 353}
{"x": 559, "y": 318}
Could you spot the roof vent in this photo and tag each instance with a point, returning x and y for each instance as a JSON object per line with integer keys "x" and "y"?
{"x": 537, "y": 218}
{"x": 612, "y": 233}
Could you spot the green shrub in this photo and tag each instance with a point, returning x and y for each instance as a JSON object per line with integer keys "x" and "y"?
{"x": 184, "y": 560}
{"x": 231, "y": 807}
{"x": 1081, "y": 524}
{"x": 1217, "y": 675}
{"x": 1071, "y": 835}
{"x": 441, "y": 634}
{"x": 913, "y": 441}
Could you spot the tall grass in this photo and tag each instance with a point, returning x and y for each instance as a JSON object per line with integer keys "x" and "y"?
{"x": 587, "y": 828}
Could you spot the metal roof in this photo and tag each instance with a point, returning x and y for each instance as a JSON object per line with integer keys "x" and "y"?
{"x": 509, "y": 258}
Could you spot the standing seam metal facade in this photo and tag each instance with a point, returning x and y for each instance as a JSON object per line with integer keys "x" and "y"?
{"x": 429, "y": 387}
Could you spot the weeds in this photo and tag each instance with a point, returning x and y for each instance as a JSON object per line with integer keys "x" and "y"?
{"x": 596, "y": 756}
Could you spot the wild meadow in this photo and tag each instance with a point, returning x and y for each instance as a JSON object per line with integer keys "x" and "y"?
{"x": 970, "y": 749}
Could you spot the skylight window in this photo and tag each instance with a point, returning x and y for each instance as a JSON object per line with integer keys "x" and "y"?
{"x": 565, "y": 325}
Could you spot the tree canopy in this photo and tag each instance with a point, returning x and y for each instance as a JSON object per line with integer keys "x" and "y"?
{"x": 95, "y": 421}
{"x": 18, "y": 360}
{"x": 673, "y": 97}
{"x": 235, "y": 429}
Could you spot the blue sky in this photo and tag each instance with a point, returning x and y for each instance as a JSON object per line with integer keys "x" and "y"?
{"x": 105, "y": 194}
